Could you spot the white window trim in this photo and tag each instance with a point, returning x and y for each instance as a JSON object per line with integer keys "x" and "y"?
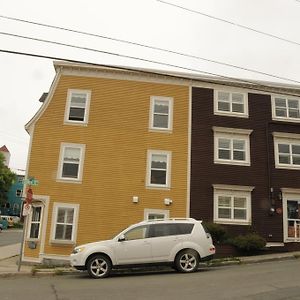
{"x": 288, "y": 194}
{"x": 233, "y": 190}
{"x": 86, "y": 111}
{"x": 170, "y": 116}
{"x": 60, "y": 163}
{"x": 284, "y": 138}
{"x": 30, "y": 222}
{"x": 230, "y": 133}
{"x": 148, "y": 211}
{"x": 245, "y": 114}
{"x": 284, "y": 119}
{"x": 56, "y": 206}
{"x": 148, "y": 173}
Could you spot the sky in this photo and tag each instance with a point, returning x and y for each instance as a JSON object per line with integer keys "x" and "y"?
{"x": 193, "y": 27}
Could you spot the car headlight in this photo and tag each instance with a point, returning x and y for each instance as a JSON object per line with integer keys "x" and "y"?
{"x": 77, "y": 250}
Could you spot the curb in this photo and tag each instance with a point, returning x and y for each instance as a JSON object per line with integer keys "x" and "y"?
{"x": 59, "y": 271}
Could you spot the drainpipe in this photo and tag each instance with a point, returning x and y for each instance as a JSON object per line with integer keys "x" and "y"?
{"x": 270, "y": 188}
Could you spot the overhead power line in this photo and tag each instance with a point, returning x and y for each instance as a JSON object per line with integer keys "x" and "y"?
{"x": 254, "y": 85}
{"x": 125, "y": 56}
{"x": 148, "y": 47}
{"x": 231, "y": 22}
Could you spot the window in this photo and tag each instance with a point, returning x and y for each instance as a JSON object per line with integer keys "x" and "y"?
{"x": 136, "y": 233}
{"x": 35, "y": 222}
{"x": 231, "y": 146}
{"x": 71, "y": 162}
{"x": 286, "y": 108}
{"x": 158, "y": 173}
{"x": 19, "y": 193}
{"x": 287, "y": 150}
{"x": 161, "y": 113}
{"x": 232, "y": 204}
{"x": 231, "y": 103}
{"x": 65, "y": 222}
{"x": 77, "y": 107}
{"x": 157, "y": 230}
{"x": 155, "y": 214}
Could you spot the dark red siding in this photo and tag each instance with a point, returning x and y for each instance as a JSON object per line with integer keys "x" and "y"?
{"x": 261, "y": 174}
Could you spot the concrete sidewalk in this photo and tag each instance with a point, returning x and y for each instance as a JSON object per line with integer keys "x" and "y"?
{"x": 9, "y": 257}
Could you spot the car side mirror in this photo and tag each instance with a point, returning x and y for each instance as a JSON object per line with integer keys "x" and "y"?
{"x": 121, "y": 238}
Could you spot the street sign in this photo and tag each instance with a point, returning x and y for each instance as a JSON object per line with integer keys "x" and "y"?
{"x": 26, "y": 209}
{"x": 31, "y": 181}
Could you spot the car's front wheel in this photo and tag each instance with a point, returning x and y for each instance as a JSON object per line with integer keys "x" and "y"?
{"x": 99, "y": 266}
{"x": 187, "y": 261}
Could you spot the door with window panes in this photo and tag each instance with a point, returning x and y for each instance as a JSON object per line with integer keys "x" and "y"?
{"x": 293, "y": 219}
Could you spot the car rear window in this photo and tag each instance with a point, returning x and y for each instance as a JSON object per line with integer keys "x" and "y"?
{"x": 157, "y": 230}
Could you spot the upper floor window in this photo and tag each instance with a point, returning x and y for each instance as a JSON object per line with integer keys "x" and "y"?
{"x": 64, "y": 226}
{"x": 71, "y": 162}
{"x": 232, "y": 204}
{"x": 286, "y": 108}
{"x": 158, "y": 169}
{"x": 154, "y": 214}
{"x": 287, "y": 150}
{"x": 77, "y": 108}
{"x": 231, "y": 103}
{"x": 161, "y": 113}
{"x": 19, "y": 193}
{"x": 232, "y": 146}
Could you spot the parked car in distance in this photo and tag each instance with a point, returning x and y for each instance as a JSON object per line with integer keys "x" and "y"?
{"x": 9, "y": 220}
{"x": 16, "y": 219}
{"x": 3, "y": 223}
{"x": 181, "y": 243}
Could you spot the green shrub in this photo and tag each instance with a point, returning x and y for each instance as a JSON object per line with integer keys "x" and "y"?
{"x": 249, "y": 243}
{"x": 218, "y": 233}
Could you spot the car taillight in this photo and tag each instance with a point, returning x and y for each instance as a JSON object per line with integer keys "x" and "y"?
{"x": 212, "y": 249}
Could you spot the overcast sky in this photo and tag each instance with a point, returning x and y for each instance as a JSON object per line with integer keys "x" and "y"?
{"x": 147, "y": 22}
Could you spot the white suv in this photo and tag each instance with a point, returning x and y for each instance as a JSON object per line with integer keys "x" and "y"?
{"x": 181, "y": 243}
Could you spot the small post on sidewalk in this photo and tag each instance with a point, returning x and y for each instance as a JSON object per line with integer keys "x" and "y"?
{"x": 25, "y": 212}
{"x": 22, "y": 244}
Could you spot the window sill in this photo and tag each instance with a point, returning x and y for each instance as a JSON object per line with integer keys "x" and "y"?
{"x": 155, "y": 187}
{"x": 234, "y": 163}
{"x": 283, "y": 119}
{"x": 68, "y": 181}
{"x": 62, "y": 242}
{"x": 232, "y": 222}
{"x": 287, "y": 167}
{"x": 160, "y": 130}
{"x": 231, "y": 114}
{"x": 74, "y": 123}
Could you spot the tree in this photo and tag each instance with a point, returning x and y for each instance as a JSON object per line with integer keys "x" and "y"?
{"x": 7, "y": 178}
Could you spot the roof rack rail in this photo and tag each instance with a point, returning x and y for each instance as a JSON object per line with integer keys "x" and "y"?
{"x": 171, "y": 219}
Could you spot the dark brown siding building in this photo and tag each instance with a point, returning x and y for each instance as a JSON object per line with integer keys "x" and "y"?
{"x": 245, "y": 162}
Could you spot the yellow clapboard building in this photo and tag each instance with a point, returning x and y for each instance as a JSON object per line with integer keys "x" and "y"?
{"x": 109, "y": 147}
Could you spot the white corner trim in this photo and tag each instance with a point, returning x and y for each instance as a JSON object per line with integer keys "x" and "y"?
{"x": 189, "y": 154}
{"x": 233, "y": 187}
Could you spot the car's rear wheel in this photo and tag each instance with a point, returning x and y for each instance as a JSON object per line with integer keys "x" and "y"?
{"x": 99, "y": 266}
{"x": 187, "y": 261}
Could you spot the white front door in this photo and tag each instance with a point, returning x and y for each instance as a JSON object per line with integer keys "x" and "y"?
{"x": 291, "y": 214}
{"x": 293, "y": 219}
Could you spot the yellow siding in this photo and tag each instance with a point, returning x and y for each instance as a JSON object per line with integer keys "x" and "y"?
{"x": 117, "y": 139}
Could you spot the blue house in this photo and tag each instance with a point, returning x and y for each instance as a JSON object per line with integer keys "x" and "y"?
{"x": 14, "y": 196}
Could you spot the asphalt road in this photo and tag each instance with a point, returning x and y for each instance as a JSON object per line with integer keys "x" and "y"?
{"x": 10, "y": 236}
{"x": 277, "y": 280}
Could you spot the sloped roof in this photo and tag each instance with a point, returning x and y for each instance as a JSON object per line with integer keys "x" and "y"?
{"x": 4, "y": 149}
